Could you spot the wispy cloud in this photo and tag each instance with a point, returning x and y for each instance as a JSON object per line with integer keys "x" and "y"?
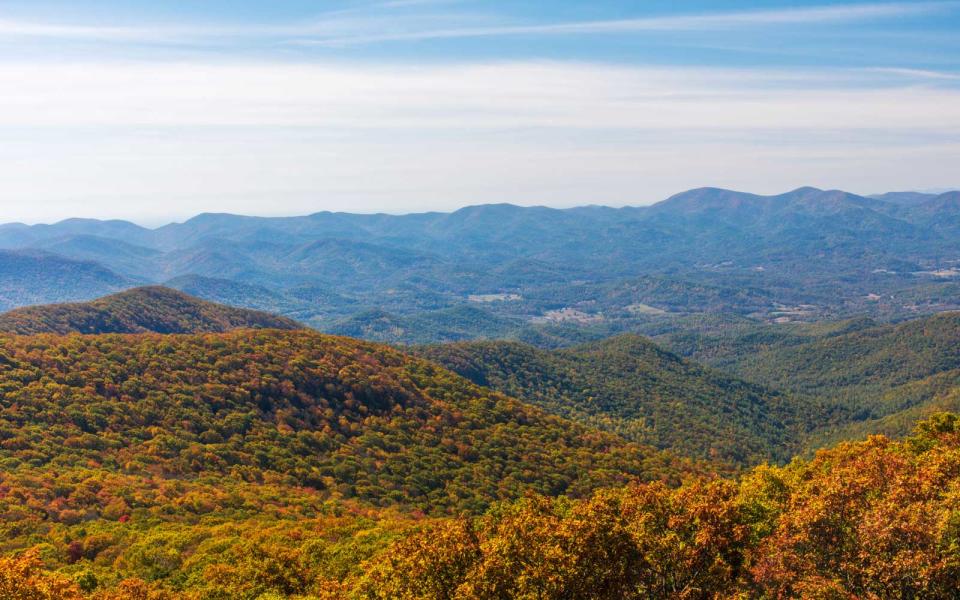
{"x": 916, "y": 74}
{"x": 421, "y": 98}
{"x": 201, "y": 127}
{"x": 375, "y": 24}
{"x": 20, "y": 28}
{"x": 687, "y": 22}
{"x": 362, "y": 20}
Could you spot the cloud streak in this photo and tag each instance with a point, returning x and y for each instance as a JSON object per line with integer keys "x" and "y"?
{"x": 367, "y": 26}
{"x": 469, "y": 97}
{"x": 677, "y": 23}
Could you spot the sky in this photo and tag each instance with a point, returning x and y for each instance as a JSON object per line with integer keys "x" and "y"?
{"x": 156, "y": 111}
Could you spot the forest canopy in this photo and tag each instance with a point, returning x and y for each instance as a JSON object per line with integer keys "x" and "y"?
{"x": 872, "y": 519}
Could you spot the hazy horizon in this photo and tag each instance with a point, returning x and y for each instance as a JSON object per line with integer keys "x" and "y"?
{"x": 133, "y": 110}
{"x": 154, "y": 224}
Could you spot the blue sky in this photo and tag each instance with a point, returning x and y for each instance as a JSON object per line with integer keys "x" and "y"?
{"x": 156, "y": 111}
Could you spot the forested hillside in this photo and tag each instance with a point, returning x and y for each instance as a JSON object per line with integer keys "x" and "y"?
{"x": 866, "y": 377}
{"x": 723, "y": 341}
{"x": 183, "y": 460}
{"x": 874, "y": 519}
{"x": 348, "y": 418}
{"x": 859, "y": 363}
{"x": 630, "y": 386}
{"x": 140, "y": 310}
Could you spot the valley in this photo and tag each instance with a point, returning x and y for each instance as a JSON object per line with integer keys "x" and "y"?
{"x": 521, "y": 430}
{"x": 453, "y": 300}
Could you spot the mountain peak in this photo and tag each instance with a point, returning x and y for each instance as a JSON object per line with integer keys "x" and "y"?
{"x": 155, "y": 309}
{"x": 804, "y": 191}
{"x": 707, "y": 198}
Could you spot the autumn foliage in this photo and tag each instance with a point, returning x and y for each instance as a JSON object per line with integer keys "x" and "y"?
{"x": 264, "y": 465}
{"x": 876, "y": 519}
{"x": 23, "y": 578}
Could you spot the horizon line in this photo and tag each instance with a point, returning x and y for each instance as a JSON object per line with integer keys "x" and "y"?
{"x": 175, "y": 221}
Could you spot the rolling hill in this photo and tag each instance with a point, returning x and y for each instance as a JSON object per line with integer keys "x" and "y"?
{"x": 630, "y": 386}
{"x": 861, "y": 362}
{"x": 446, "y": 325}
{"x": 140, "y": 310}
{"x": 353, "y": 419}
{"x": 232, "y": 293}
{"x": 259, "y": 461}
{"x": 868, "y": 377}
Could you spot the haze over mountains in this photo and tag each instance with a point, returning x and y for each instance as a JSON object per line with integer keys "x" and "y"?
{"x": 503, "y": 270}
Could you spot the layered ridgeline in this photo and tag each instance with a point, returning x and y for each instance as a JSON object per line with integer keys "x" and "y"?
{"x": 803, "y": 255}
{"x": 188, "y": 460}
{"x": 878, "y": 379}
{"x": 140, "y": 310}
{"x": 630, "y": 386}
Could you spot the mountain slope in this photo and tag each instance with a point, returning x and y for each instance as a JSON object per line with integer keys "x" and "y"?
{"x": 448, "y": 325}
{"x": 349, "y": 419}
{"x": 225, "y": 291}
{"x": 863, "y": 361}
{"x": 132, "y": 261}
{"x": 146, "y": 309}
{"x": 868, "y": 374}
{"x": 630, "y": 386}
{"x": 785, "y": 228}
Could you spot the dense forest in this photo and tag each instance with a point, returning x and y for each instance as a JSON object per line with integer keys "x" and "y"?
{"x": 630, "y": 386}
{"x": 168, "y": 457}
{"x": 874, "y": 519}
{"x": 865, "y": 376}
{"x": 346, "y": 418}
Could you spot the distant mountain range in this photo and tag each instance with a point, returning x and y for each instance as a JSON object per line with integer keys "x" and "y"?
{"x": 37, "y": 277}
{"x": 804, "y": 255}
